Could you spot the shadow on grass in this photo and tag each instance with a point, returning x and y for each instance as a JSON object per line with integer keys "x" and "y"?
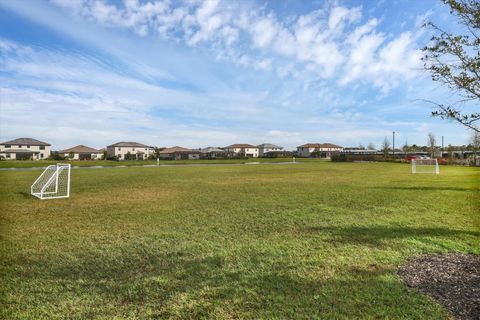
{"x": 377, "y": 234}
{"x": 424, "y": 188}
{"x": 151, "y": 284}
{"x": 26, "y": 195}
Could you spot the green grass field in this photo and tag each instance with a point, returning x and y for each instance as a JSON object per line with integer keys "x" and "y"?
{"x": 312, "y": 240}
{"x": 128, "y": 163}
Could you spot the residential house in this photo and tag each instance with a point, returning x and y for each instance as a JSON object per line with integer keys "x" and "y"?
{"x": 81, "y": 152}
{"x": 265, "y": 148}
{"x": 129, "y": 151}
{"x": 212, "y": 153}
{"x": 321, "y": 150}
{"x": 179, "y": 153}
{"x": 25, "y": 148}
{"x": 242, "y": 150}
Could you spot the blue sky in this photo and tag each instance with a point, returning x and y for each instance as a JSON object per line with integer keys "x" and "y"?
{"x": 201, "y": 73}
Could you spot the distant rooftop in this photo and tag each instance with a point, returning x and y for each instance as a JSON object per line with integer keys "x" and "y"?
{"x": 211, "y": 149}
{"x": 177, "y": 149}
{"x": 129, "y": 144}
{"x": 269, "y": 145}
{"x": 26, "y": 141}
{"x": 240, "y": 145}
{"x": 80, "y": 149}
{"x": 319, "y": 145}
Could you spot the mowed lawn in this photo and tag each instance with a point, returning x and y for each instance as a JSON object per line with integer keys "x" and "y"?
{"x": 313, "y": 240}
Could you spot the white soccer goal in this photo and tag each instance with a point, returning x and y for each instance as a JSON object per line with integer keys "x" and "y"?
{"x": 53, "y": 183}
{"x": 425, "y": 166}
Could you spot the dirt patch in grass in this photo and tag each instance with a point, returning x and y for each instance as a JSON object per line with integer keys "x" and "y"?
{"x": 452, "y": 279}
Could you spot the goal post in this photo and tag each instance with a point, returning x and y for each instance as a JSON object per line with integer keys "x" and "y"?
{"x": 53, "y": 183}
{"x": 425, "y": 166}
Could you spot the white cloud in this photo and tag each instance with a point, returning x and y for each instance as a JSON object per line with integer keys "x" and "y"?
{"x": 331, "y": 41}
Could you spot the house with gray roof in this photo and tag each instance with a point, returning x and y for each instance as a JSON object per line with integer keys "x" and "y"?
{"x": 242, "y": 150}
{"x": 213, "y": 153}
{"x": 81, "y": 152}
{"x": 24, "y": 149}
{"x": 179, "y": 153}
{"x": 265, "y": 148}
{"x": 323, "y": 150}
{"x": 128, "y": 150}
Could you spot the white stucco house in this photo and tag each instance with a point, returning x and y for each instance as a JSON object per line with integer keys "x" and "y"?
{"x": 243, "y": 149}
{"x": 127, "y": 150}
{"x": 24, "y": 149}
{"x": 265, "y": 148}
{"x": 323, "y": 150}
{"x": 81, "y": 152}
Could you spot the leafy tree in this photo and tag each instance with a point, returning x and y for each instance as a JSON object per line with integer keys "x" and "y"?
{"x": 385, "y": 146}
{"x": 432, "y": 144}
{"x": 475, "y": 142}
{"x": 405, "y": 147}
{"x": 454, "y": 61}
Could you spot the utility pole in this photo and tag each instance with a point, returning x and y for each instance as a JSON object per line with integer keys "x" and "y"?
{"x": 442, "y": 146}
{"x": 393, "y": 145}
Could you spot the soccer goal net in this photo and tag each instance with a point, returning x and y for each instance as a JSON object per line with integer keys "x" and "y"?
{"x": 53, "y": 183}
{"x": 425, "y": 166}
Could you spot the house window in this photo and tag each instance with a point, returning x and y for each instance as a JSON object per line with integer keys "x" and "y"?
{"x": 119, "y": 149}
{"x": 42, "y": 147}
{"x": 19, "y": 146}
{"x": 41, "y": 155}
{"x": 133, "y": 149}
{"x": 28, "y": 147}
{"x": 7, "y": 155}
{"x": 7, "y": 146}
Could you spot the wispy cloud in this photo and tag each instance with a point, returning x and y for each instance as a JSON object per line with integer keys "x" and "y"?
{"x": 209, "y": 73}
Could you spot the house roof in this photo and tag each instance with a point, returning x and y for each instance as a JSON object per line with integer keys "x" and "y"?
{"x": 319, "y": 145}
{"x": 240, "y": 145}
{"x": 269, "y": 145}
{"x": 211, "y": 149}
{"x": 128, "y": 144}
{"x": 80, "y": 149}
{"x": 177, "y": 149}
{"x": 19, "y": 151}
{"x": 27, "y": 141}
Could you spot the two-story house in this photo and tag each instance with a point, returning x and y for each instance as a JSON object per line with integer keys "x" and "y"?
{"x": 323, "y": 150}
{"x": 127, "y": 150}
{"x": 265, "y": 148}
{"x": 243, "y": 150}
{"x": 81, "y": 152}
{"x": 25, "y": 148}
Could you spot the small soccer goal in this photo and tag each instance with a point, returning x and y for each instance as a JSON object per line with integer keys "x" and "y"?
{"x": 53, "y": 183}
{"x": 425, "y": 166}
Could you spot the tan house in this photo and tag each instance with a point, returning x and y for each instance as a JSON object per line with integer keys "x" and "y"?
{"x": 321, "y": 150}
{"x": 265, "y": 148}
{"x": 179, "y": 153}
{"x": 81, "y": 152}
{"x": 243, "y": 150}
{"x": 127, "y": 150}
{"x": 213, "y": 153}
{"x": 24, "y": 149}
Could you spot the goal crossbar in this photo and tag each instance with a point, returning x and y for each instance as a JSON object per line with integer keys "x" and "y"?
{"x": 425, "y": 166}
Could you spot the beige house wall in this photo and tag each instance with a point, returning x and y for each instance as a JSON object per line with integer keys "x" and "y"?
{"x": 43, "y": 153}
{"x": 120, "y": 152}
{"x": 252, "y": 151}
{"x": 76, "y": 155}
